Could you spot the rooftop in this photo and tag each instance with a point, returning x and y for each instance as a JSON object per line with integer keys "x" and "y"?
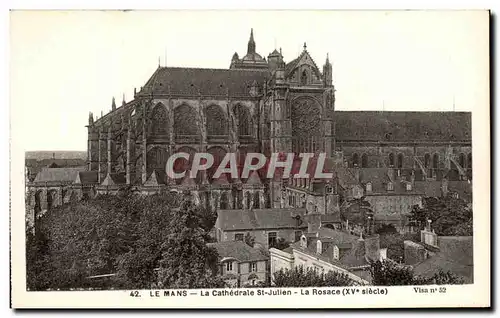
{"x": 455, "y": 255}
{"x": 238, "y": 250}
{"x": 233, "y": 220}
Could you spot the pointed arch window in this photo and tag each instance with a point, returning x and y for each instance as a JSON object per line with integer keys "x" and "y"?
{"x": 427, "y": 160}
{"x": 364, "y": 160}
{"x": 391, "y": 160}
{"x": 355, "y": 160}
{"x": 159, "y": 120}
{"x": 303, "y": 78}
{"x": 248, "y": 199}
{"x": 435, "y": 161}
{"x": 461, "y": 160}
{"x": 400, "y": 161}
{"x": 469, "y": 161}
{"x": 256, "y": 200}
{"x": 216, "y": 121}
{"x": 224, "y": 201}
{"x": 244, "y": 120}
{"x": 185, "y": 121}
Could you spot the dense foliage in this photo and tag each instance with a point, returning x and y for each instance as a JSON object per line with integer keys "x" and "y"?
{"x": 127, "y": 235}
{"x": 301, "y": 277}
{"x": 280, "y": 244}
{"x": 389, "y": 273}
{"x": 450, "y": 216}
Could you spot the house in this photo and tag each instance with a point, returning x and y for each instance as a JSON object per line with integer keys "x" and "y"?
{"x": 265, "y": 225}
{"x": 240, "y": 264}
{"x": 446, "y": 253}
{"x": 325, "y": 249}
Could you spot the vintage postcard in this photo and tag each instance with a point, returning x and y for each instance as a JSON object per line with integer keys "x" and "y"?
{"x": 250, "y": 159}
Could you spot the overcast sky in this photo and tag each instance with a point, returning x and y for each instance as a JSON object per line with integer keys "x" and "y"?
{"x": 65, "y": 64}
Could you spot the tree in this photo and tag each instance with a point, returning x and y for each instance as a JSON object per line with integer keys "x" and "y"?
{"x": 187, "y": 261}
{"x": 300, "y": 277}
{"x": 359, "y": 213}
{"x": 389, "y": 273}
{"x": 450, "y": 216}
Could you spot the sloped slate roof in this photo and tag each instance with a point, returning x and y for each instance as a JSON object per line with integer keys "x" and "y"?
{"x": 58, "y": 175}
{"x": 86, "y": 177}
{"x": 194, "y": 81}
{"x": 455, "y": 255}
{"x": 259, "y": 219}
{"x": 238, "y": 250}
{"x": 403, "y": 126}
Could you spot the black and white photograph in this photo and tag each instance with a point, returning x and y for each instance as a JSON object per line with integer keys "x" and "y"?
{"x": 250, "y": 158}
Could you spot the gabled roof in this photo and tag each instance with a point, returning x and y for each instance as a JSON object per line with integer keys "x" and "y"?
{"x": 254, "y": 219}
{"x": 57, "y": 175}
{"x": 156, "y": 178}
{"x": 238, "y": 250}
{"x": 253, "y": 178}
{"x": 402, "y": 126}
{"x": 194, "y": 81}
{"x": 289, "y": 67}
{"x": 87, "y": 177}
{"x": 114, "y": 179}
{"x": 455, "y": 255}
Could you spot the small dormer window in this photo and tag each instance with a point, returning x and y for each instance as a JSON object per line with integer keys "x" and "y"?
{"x": 303, "y": 241}
{"x": 319, "y": 247}
{"x": 369, "y": 187}
{"x": 336, "y": 252}
{"x": 390, "y": 186}
{"x": 408, "y": 186}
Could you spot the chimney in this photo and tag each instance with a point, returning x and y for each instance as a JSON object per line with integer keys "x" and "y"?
{"x": 428, "y": 236}
{"x": 313, "y": 222}
{"x": 444, "y": 187}
{"x": 372, "y": 247}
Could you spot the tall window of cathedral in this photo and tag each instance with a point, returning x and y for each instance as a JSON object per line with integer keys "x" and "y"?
{"x": 224, "y": 201}
{"x": 185, "y": 121}
{"x": 38, "y": 202}
{"x": 355, "y": 160}
{"x": 256, "y": 200}
{"x": 364, "y": 160}
{"x": 51, "y": 198}
{"x": 435, "y": 161}
{"x": 469, "y": 161}
{"x": 218, "y": 153}
{"x": 157, "y": 159}
{"x": 400, "y": 161}
{"x": 461, "y": 160}
{"x": 248, "y": 200}
{"x": 305, "y": 120}
{"x": 244, "y": 120}
{"x": 427, "y": 160}
{"x": 391, "y": 159}
{"x": 181, "y": 164}
{"x": 303, "y": 78}
{"x": 159, "y": 120}
{"x": 216, "y": 121}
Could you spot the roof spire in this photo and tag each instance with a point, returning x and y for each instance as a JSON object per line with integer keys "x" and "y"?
{"x": 123, "y": 100}
{"x": 305, "y": 46}
{"x": 251, "y": 43}
{"x": 327, "y": 59}
{"x": 113, "y": 104}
